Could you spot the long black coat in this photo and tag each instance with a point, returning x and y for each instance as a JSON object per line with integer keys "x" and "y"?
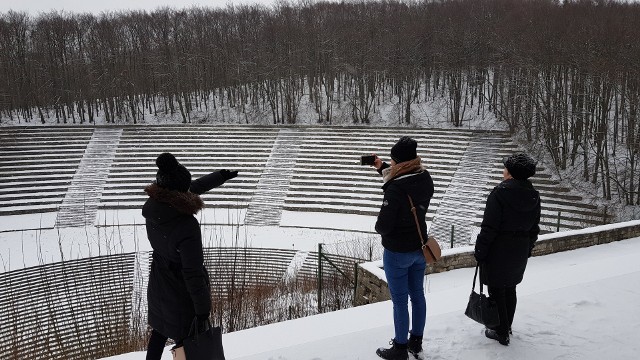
{"x": 509, "y": 230}
{"x": 178, "y": 283}
{"x": 396, "y": 223}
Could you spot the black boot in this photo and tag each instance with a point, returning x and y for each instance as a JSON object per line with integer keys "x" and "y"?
{"x": 415, "y": 346}
{"x": 396, "y": 352}
{"x": 492, "y": 334}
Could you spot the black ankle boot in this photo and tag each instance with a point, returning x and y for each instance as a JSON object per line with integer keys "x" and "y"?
{"x": 492, "y": 334}
{"x": 414, "y": 346}
{"x": 396, "y": 352}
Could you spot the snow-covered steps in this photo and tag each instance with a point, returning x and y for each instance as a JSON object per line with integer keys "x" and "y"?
{"x": 202, "y": 149}
{"x": 266, "y": 205}
{"x": 37, "y": 165}
{"x": 80, "y": 205}
{"x": 330, "y": 178}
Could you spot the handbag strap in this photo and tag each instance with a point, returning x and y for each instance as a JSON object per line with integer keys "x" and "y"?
{"x": 193, "y": 330}
{"x": 415, "y": 217}
{"x": 473, "y": 287}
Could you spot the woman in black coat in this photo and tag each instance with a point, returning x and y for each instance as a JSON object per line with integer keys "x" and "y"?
{"x": 403, "y": 261}
{"x": 178, "y": 288}
{"x": 509, "y": 230}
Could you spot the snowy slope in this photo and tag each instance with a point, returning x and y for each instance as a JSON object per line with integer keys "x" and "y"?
{"x": 581, "y": 304}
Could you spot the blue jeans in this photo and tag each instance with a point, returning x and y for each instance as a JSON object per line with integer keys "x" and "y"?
{"x": 405, "y": 276}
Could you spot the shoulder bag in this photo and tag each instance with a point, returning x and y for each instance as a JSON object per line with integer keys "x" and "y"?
{"x": 430, "y": 248}
{"x": 480, "y": 308}
{"x": 205, "y": 345}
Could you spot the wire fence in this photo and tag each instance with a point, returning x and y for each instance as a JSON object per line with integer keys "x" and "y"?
{"x": 96, "y": 307}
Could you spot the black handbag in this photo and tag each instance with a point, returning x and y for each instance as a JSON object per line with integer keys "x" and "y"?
{"x": 205, "y": 345}
{"x": 481, "y": 308}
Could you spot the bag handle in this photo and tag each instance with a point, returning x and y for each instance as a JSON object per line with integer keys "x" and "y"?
{"x": 193, "y": 330}
{"x": 415, "y": 217}
{"x": 473, "y": 287}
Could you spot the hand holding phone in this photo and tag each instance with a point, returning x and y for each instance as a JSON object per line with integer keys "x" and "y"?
{"x": 368, "y": 160}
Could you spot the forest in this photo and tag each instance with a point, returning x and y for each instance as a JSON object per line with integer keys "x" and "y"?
{"x": 562, "y": 76}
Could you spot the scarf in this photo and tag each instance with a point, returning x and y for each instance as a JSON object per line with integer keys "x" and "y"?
{"x": 403, "y": 168}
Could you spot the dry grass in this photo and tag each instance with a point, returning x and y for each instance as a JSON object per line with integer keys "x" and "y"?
{"x": 96, "y": 307}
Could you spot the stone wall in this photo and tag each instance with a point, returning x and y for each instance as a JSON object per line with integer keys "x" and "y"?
{"x": 372, "y": 286}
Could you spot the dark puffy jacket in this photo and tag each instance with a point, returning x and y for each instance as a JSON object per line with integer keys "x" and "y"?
{"x": 395, "y": 221}
{"x": 178, "y": 283}
{"x": 509, "y": 230}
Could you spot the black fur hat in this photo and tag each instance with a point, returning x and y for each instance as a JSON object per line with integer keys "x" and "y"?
{"x": 521, "y": 166}
{"x": 171, "y": 174}
{"x": 404, "y": 150}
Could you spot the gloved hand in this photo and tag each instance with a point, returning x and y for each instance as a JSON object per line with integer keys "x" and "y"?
{"x": 227, "y": 175}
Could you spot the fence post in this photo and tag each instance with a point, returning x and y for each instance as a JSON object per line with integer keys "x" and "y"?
{"x": 453, "y": 228}
{"x": 355, "y": 282}
{"x": 319, "y": 277}
{"x": 558, "y": 226}
{"x": 604, "y": 216}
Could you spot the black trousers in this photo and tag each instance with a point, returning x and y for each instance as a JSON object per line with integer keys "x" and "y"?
{"x": 156, "y": 345}
{"x": 506, "y": 300}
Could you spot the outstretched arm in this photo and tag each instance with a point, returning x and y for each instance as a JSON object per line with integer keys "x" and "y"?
{"x": 210, "y": 181}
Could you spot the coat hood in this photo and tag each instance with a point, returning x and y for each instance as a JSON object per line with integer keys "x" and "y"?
{"x": 522, "y": 197}
{"x": 165, "y": 205}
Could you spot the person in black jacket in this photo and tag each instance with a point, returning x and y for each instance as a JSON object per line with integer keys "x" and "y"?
{"x": 509, "y": 230}
{"x": 178, "y": 289}
{"x": 404, "y": 263}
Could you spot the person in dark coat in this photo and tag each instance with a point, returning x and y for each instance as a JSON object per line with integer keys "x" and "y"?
{"x": 509, "y": 231}
{"x": 404, "y": 263}
{"x": 178, "y": 289}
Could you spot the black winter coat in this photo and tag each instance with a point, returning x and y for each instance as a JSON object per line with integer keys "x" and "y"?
{"x": 178, "y": 287}
{"x": 509, "y": 230}
{"x": 395, "y": 221}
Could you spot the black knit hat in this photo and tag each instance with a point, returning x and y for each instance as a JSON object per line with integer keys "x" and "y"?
{"x": 171, "y": 174}
{"x": 404, "y": 150}
{"x": 521, "y": 166}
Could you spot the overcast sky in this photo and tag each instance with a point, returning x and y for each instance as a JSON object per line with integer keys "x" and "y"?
{"x": 35, "y": 7}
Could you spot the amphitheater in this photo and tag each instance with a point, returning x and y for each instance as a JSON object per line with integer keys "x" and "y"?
{"x": 76, "y": 172}
{"x": 80, "y": 176}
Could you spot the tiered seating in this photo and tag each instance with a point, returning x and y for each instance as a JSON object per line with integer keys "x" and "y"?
{"x": 47, "y": 308}
{"x": 329, "y": 177}
{"x": 246, "y": 266}
{"x": 556, "y": 200}
{"x": 37, "y": 165}
{"x": 201, "y": 149}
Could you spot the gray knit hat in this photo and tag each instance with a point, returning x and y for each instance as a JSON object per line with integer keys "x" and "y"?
{"x": 521, "y": 166}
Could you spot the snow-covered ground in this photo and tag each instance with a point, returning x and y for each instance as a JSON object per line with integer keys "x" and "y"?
{"x": 32, "y": 239}
{"x": 581, "y": 304}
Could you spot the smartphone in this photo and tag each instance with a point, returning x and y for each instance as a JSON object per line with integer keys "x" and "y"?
{"x": 367, "y": 159}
